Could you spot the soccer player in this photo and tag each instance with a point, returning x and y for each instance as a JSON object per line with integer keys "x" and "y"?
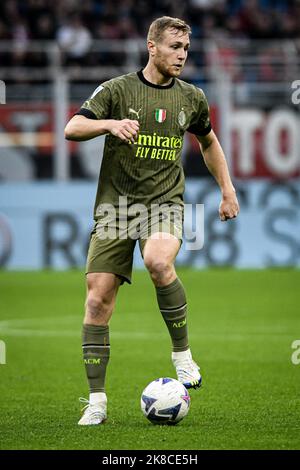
{"x": 145, "y": 115}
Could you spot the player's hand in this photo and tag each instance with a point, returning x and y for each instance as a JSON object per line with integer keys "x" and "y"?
{"x": 126, "y": 129}
{"x": 229, "y": 206}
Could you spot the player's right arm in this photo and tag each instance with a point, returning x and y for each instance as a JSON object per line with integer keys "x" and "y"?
{"x": 81, "y": 128}
{"x": 94, "y": 118}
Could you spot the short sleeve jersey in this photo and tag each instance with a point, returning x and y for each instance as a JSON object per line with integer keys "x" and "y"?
{"x": 150, "y": 170}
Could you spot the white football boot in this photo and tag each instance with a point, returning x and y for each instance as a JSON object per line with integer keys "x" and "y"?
{"x": 186, "y": 368}
{"x": 93, "y": 413}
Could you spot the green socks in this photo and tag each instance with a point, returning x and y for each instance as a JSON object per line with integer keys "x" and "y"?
{"x": 172, "y": 303}
{"x": 95, "y": 339}
{"x": 96, "y": 348}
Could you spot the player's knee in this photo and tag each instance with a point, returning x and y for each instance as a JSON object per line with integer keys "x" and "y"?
{"x": 97, "y": 305}
{"x": 158, "y": 267}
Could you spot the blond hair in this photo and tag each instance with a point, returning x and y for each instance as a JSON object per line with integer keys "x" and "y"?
{"x": 160, "y": 25}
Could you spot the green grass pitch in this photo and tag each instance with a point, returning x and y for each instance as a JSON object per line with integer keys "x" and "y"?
{"x": 241, "y": 323}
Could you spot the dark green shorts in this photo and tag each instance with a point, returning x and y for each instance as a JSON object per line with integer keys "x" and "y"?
{"x": 112, "y": 243}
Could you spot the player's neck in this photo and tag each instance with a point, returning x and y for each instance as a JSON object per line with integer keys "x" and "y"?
{"x": 154, "y": 76}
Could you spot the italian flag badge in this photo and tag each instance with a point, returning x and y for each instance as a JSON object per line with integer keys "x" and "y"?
{"x": 160, "y": 115}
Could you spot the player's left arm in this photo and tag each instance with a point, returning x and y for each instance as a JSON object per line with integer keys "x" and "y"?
{"x": 216, "y": 163}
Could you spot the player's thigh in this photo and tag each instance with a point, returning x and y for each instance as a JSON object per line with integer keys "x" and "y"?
{"x": 162, "y": 238}
{"x": 160, "y": 248}
{"x": 113, "y": 256}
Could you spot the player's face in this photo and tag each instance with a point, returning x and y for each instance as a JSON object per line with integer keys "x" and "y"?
{"x": 170, "y": 54}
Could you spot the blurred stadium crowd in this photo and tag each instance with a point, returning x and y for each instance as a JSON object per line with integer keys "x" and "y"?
{"x": 245, "y": 54}
{"x": 75, "y": 24}
{"x": 256, "y": 43}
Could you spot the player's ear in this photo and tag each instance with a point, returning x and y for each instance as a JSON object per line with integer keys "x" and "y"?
{"x": 151, "y": 48}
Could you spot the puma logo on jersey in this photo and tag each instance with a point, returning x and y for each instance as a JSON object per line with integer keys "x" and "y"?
{"x": 132, "y": 111}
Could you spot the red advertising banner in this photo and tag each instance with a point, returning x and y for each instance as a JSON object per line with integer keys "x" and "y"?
{"x": 264, "y": 144}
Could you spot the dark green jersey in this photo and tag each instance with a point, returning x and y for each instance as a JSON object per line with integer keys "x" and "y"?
{"x": 150, "y": 170}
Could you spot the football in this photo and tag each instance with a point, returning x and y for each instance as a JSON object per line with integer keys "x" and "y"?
{"x": 165, "y": 401}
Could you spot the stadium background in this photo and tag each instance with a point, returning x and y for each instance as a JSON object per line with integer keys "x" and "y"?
{"x": 245, "y": 55}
